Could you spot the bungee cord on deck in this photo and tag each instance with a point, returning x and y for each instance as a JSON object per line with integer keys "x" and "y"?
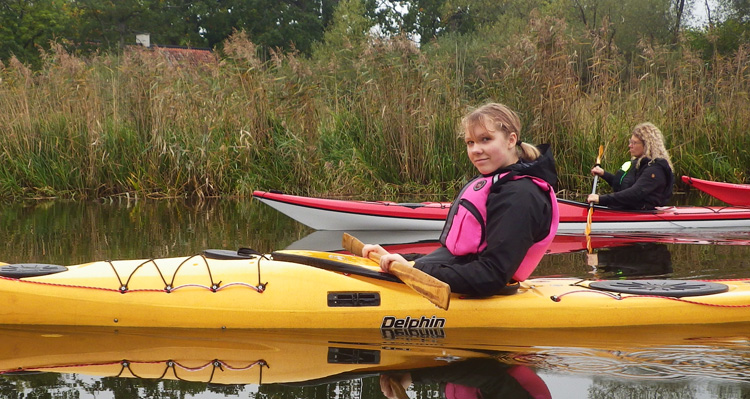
{"x": 168, "y": 286}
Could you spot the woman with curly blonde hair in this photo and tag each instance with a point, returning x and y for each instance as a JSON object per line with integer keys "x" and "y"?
{"x": 649, "y": 183}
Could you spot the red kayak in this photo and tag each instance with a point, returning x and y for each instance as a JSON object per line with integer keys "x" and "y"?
{"x": 331, "y": 214}
{"x": 733, "y": 194}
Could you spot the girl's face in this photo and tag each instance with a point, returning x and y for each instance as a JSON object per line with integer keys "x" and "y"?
{"x": 490, "y": 150}
{"x": 636, "y": 147}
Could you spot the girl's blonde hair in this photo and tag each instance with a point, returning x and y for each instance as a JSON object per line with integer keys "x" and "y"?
{"x": 500, "y": 118}
{"x": 653, "y": 142}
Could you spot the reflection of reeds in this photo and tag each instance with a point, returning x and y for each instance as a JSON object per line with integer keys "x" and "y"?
{"x": 376, "y": 121}
{"x": 73, "y": 232}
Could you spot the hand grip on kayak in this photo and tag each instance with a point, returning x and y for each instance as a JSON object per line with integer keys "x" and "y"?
{"x": 429, "y": 287}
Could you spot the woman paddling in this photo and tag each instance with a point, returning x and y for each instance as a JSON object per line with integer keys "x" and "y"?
{"x": 646, "y": 181}
{"x": 503, "y": 220}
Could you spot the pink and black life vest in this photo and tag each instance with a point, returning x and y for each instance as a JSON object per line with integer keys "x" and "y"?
{"x": 465, "y": 228}
{"x": 527, "y": 378}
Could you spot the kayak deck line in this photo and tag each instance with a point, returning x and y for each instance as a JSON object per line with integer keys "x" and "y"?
{"x": 330, "y": 264}
{"x": 620, "y": 297}
{"x": 169, "y": 365}
{"x": 259, "y": 289}
{"x": 169, "y": 287}
{"x": 173, "y": 366}
{"x": 701, "y": 288}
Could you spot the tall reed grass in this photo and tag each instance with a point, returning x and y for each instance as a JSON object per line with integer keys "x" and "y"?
{"x": 370, "y": 119}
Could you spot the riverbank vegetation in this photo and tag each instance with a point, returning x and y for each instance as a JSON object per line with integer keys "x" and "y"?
{"x": 367, "y": 116}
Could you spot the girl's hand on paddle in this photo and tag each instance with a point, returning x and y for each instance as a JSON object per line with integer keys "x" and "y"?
{"x": 387, "y": 260}
{"x": 593, "y": 198}
{"x": 391, "y": 385}
{"x": 373, "y": 248}
{"x": 597, "y": 171}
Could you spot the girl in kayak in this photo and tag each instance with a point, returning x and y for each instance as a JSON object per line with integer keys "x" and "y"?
{"x": 646, "y": 181}
{"x": 503, "y": 220}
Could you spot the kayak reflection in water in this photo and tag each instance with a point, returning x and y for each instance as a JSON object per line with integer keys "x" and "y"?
{"x": 646, "y": 259}
{"x": 476, "y": 378}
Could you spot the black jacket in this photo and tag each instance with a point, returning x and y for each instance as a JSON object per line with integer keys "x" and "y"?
{"x": 621, "y": 179}
{"x": 652, "y": 187}
{"x": 519, "y": 214}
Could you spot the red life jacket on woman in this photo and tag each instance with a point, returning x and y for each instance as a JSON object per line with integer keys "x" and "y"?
{"x": 465, "y": 228}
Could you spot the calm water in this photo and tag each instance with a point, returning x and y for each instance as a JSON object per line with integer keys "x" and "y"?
{"x": 685, "y": 362}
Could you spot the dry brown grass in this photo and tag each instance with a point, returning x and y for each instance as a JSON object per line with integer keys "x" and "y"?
{"x": 374, "y": 120}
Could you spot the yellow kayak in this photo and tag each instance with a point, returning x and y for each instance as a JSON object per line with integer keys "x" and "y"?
{"x": 322, "y": 290}
{"x": 224, "y": 357}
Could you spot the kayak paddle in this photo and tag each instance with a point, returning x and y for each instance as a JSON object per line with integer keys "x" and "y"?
{"x": 591, "y": 204}
{"x": 429, "y": 287}
{"x": 398, "y": 390}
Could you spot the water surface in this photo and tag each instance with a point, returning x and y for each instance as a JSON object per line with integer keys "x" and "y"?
{"x": 674, "y": 362}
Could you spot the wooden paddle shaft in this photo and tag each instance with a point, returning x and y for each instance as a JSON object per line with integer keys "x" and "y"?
{"x": 429, "y": 287}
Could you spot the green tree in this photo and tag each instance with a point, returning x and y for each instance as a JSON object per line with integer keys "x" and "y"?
{"x": 430, "y": 19}
{"x": 627, "y": 22}
{"x": 26, "y": 26}
{"x": 283, "y": 24}
{"x": 485, "y": 13}
{"x": 423, "y": 18}
{"x": 728, "y": 28}
{"x": 346, "y": 37}
{"x": 111, "y": 23}
{"x": 738, "y": 10}
{"x": 114, "y": 24}
{"x": 177, "y": 22}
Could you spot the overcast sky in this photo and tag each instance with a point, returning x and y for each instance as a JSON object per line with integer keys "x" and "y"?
{"x": 699, "y": 12}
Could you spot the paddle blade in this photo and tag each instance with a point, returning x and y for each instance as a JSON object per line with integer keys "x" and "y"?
{"x": 436, "y": 291}
{"x": 429, "y": 287}
{"x": 352, "y": 244}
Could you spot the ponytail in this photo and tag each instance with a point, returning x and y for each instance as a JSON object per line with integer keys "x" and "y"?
{"x": 527, "y": 151}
